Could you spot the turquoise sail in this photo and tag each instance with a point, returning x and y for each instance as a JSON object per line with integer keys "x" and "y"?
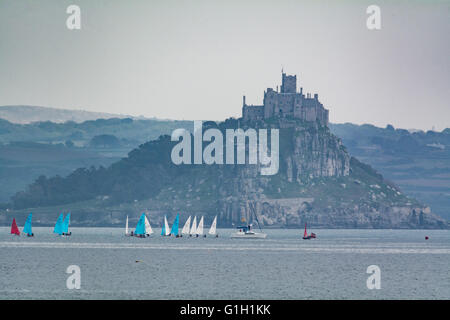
{"x": 163, "y": 230}
{"x": 140, "y": 227}
{"x": 65, "y": 225}
{"x": 59, "y": 225}
{"x": 27, "y": 227}
{"x": 174, "y": 230}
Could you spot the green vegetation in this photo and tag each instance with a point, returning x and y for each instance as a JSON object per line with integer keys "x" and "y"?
{"x": 28, "y": 151}
{"x": 418, "y": 162}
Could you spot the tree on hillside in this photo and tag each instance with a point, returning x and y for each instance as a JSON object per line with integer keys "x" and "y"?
{"x": 105, "y": 141}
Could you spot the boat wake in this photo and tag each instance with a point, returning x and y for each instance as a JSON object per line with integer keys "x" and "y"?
{"x": 324, "y": 249}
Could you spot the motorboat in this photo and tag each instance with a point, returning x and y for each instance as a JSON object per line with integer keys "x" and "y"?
{"x": 246, "y": 232}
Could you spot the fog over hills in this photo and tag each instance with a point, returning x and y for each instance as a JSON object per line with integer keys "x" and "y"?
{"x": 29, "y": 114}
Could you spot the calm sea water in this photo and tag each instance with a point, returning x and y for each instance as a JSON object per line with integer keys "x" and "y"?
{"x": 283, "y": 266}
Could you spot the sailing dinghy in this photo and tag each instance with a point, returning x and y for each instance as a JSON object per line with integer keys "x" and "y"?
{"x": 194, "y": 227}
{"x": 140, "y": 227}
{"x": 212, "y": 229}
{"x": 65, "y": 226}
{"x": 186, "y": 227}
{"x": 199, "y": 231}
{"x": 165, "y": 229}
{"x": 174, "y": 230}
{"x": 58, "y": 229}
{"x": 27, "y": 227}
{"x": 128, "y": 233}
{"x": 14, "y": 229}
{"x": 306, "y": 236}
{"x": 148, "y": 227}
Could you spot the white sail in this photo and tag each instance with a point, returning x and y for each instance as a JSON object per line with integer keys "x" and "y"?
{"x": 194, "y": 226}
{"x": 126, "y": 226}
{"x": 166, "y": 226}
{"x": 186, "y": 226}
{"x": 200, "y": 227}
{"x": 148, "y": 227}
{"x": 212, "y": 230}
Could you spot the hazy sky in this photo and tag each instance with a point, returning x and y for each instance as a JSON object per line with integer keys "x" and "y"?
{"x": 195, "y": 59}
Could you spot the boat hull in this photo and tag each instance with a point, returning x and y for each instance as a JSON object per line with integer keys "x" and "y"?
{"x": 243, "y": 235}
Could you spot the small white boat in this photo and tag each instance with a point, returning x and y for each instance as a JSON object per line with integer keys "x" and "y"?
{"x": 186, "y": 228}
{"x": 193, "y": 227}
{"x": 199, "y": 231}
{"x": 213, "y": 230}
{"x": 127, "y": 231}
{"x": 165, "y": 231}
{"x": 148, "y": 227}
{"x": 246, "y": 232}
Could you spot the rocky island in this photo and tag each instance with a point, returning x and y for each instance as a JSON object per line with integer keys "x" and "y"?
{"x": 318, "y": 182}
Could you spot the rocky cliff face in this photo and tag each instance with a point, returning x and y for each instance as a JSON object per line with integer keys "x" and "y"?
{"x": 319, "y": 183}
{"x": 314, "y": 153}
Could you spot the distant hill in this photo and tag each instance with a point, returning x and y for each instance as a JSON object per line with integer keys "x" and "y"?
{"x": 48, "y": 148}
{"x": 417, "y": 161}
{"x": 29, "y": 114}
{"x": 131, "y": 131}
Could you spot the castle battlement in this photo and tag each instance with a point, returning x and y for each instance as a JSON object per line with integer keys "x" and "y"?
{"x": 287, "y": 102}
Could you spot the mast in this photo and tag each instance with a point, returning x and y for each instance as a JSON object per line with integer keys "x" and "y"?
{"x": 252, "y": 207}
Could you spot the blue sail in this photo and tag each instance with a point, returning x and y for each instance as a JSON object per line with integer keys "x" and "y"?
{"x": 163, "y": 230}
{"x": 174, "y": 230}
{"x": 140, "y": 227}
{"x": 27, "y": 227}
{"x": 65, "y": 225}
{"x": 59, "y": 225}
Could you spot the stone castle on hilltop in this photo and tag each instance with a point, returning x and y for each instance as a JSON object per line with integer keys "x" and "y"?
{"x": 287, "y": 103}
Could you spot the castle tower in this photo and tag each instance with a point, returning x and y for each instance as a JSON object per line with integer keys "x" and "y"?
{"x": 288, "y": 83}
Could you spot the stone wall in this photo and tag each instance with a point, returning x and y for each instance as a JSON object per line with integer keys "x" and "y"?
{"x": 252, "y": 113}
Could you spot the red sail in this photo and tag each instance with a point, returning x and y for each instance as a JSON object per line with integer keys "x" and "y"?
{"x": 14, "y": 229}
{"x": 305, "y": 234}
